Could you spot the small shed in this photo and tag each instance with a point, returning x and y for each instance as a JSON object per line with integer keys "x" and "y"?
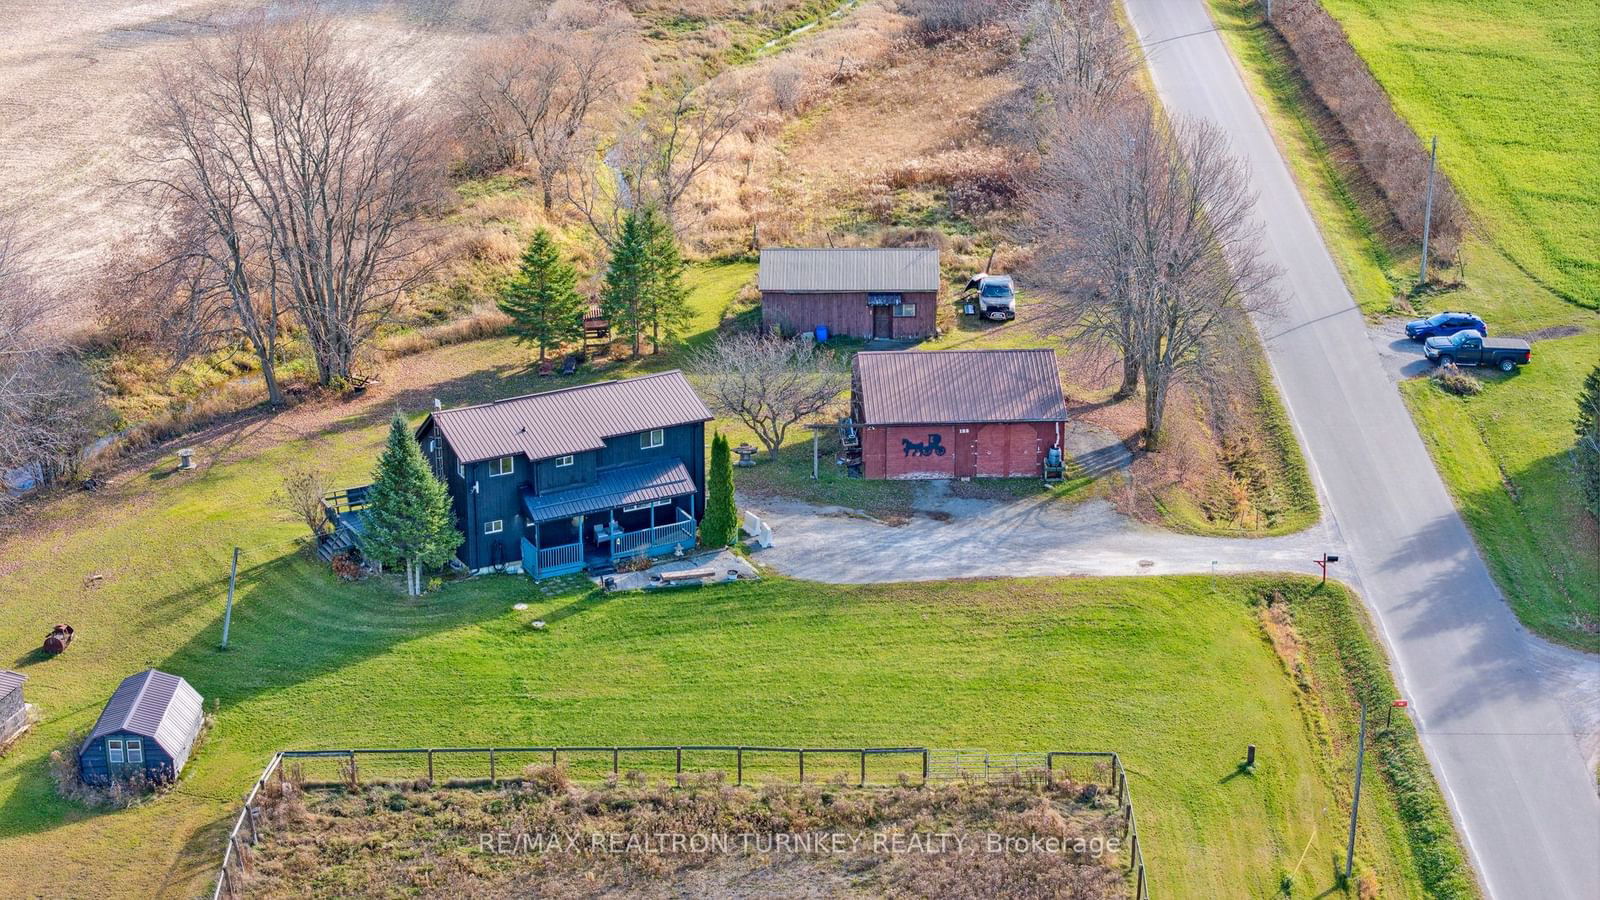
{"x": 13, "y": 708}
{"x": 957, "y": 413}
{"x": 890, "y": 292}
{"x": 149, "y": 727}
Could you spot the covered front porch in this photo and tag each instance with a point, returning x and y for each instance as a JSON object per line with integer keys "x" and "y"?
{"x": 635, "y": 510}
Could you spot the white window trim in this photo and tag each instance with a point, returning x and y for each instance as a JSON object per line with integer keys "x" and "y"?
{"x": 135, "y": 751}
{"x": 563, "y": 462}
{"x": 905, "y": 311}
{"x": 650, "y": 440}
{"x": 113, "y": 751}
{"x": 496, "y": 473}
{"x": 461, "y": 470}
{"x": 494, "y": 526}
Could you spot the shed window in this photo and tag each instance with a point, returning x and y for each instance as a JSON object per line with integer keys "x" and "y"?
{"x": 905, "y": 310}
{"x": 652, "y": 439}
{"x": 494, "y": 526}
{"x": 135, "y": 751}
{"x": 563, "y": 461}
{"x": 114, "y": 750}
{"x": 505, "y": 465}
{"x": 461, "y": 470}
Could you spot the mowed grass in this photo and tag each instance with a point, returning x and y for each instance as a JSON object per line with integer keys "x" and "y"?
{"x": 1173, "y": 673}
{"x": 1512, "y": 89}
{"x": 1505, "y": 454}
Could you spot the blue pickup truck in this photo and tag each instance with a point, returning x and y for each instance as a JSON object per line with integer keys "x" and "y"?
{"x": 1469, "y": 348}
{"x": 1444, "y": 324}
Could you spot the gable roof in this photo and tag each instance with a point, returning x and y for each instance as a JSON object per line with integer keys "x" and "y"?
{"x": 568, "y": 420}
{"x": 157, "y": 706}
{"x": 10, "y": 681}
{"x": 849, "y": 269}
{"x": 929, "y": 387}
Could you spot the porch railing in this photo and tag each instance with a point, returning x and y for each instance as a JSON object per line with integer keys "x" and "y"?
{"x": 631, "y": 542}
{"x": 564, "y": 555}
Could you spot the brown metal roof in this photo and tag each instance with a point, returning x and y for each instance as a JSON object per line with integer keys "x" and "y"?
{"x": 569, "y": 420}
{"x": 911, "y": 387}
{"x": 832, "y": 269}
{"x": 155, "y": 705}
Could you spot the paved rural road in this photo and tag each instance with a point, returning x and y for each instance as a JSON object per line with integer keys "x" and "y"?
{"x": 1484, "y": 691}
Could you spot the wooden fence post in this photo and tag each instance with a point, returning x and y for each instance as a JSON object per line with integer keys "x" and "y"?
{"x": 430, "y": 768}
{"x": 1135, "y": 854}
{"x": 680, "y": 760}
{"x": 552, "y": 757}
{"x": 355, "y": 777}
{"x": 491, "y": 767}
{"x": 740, "y": 758}
{"x": 863, "y": 769}
{"x": 615, "y": 752}
{"x": 802, "y": 767}
{"x": 1138, "y": 893}
{"x": 255, "y": 833}
{"x": 925, "y": 766}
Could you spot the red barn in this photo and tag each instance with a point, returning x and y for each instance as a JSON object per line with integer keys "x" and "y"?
{"x": 855, "y": 292}
{"x": 957, "y": 413}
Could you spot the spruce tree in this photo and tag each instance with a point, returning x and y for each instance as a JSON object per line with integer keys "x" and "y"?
{"x": 720, "y": 525}
{"x": 1587, "y": 453}
{"x": 408, "y": 515}
{"x": 543, "y": 302}
{"x": 622, "y": 297}
{"x": 666, "y": 304}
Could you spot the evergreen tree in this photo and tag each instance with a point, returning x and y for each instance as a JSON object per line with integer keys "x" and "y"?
{"x": 543, "y": 302}
{"x": 622, "y": 298}
{"x": 665, "y": 309}
{"x": 408, "y": 516}
{"x": 720, "y": 526}
{"x": 1587, "y": 453}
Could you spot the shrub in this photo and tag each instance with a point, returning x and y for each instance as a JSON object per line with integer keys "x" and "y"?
{"x": 1586, "y": 455}
{"x": 1388, "y": 150}
{"x": 547, "y": 779}
{"x": 935, "y": 18}
{"x": 1452, "y": 380}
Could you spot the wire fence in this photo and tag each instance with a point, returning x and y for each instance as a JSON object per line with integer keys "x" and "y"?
{"x": 489, "y": 766}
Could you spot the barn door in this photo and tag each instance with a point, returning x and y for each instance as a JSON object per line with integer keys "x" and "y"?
{"x": 966, "y": 453}
{"x": 883, "y": 321}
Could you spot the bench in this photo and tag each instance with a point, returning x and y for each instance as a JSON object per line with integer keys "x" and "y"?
{"x": 685, "y": 575}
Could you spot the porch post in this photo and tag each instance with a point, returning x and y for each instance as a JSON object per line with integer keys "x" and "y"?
{"x": 611, "y": 536}
{"x": 583, "y": 522}
{"x": 536, "y": 549}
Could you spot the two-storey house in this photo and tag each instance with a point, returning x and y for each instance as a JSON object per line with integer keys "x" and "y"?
{"x": 574, "y": 478}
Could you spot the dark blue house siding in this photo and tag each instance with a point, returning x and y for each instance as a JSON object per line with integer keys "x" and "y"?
{"x": 499, "y": 497}
{"x": 96, "y": 768}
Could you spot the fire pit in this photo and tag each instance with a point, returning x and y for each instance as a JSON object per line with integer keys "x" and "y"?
{"x": 747, "y": 454}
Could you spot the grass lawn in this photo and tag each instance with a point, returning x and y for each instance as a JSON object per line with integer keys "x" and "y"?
{"x": 1174, "y": 673}
{"x": 1503, "y": 453}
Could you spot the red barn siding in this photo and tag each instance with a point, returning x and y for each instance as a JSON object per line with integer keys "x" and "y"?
{"x": 996, "y": 450}
{"x": 846, "y": 314}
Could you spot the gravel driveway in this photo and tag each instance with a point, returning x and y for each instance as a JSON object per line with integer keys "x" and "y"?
{"x": 960, "y": 538}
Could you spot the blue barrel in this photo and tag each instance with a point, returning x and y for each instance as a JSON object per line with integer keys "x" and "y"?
{"x": 822, "y": 334}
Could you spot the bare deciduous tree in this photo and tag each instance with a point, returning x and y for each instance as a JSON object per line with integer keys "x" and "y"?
{"x": 301, "y": 496}
{"x": 769, "y": 383}
{"x": 292, "y": 171}
{"x": 1158, "y": 247}
{"x": 1075, "y": 56}
{"x": 660, "y": 154}
{"x": 535, "y": 96}
{"x": 48, "y": 410}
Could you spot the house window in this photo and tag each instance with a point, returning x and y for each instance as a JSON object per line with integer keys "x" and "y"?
{"x": 505, "y": 465}
{"x": 563, "y": 461}
{"x": 494, "y": 526}
{"x": 652, "y": 439}
{"x": 905, "y": 310}
{"x": 461, "y": 470}
{"x": 135, "y": 751}
{"x": 114, "y": 751}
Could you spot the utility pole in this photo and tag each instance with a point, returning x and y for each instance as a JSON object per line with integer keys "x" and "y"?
{"x": 227, "y": 615}
{"x": 1427, "y": 215}
{"x": 1355, "y": 803}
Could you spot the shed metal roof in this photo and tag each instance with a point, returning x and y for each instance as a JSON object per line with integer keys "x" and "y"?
{"x": 157, "y": 706}
{"x": 569, "y": 420}
{"x": 849, "y": 269}
{"x": 617, "y": 486}
{"x": 10, "y": 681}
{"x": 912, "y": 387}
